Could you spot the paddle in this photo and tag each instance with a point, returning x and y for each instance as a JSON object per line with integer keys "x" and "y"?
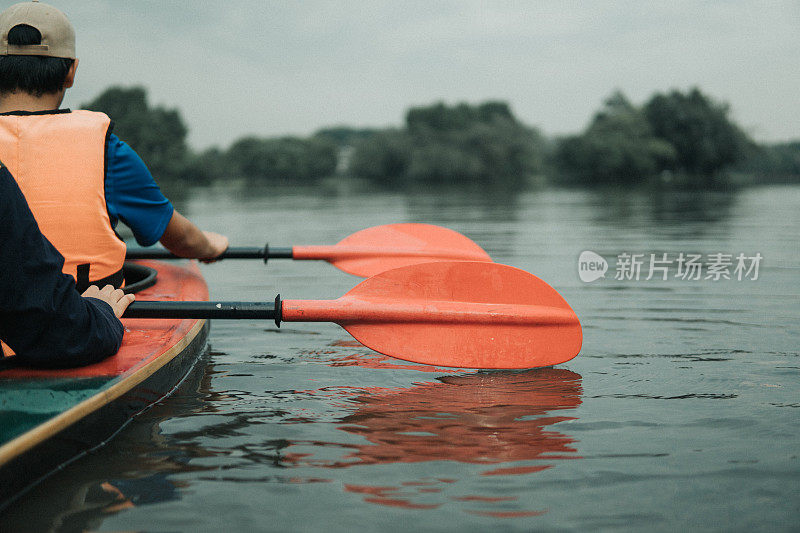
{"x": 366, "y": 252}
{"x": 461, "y": 314}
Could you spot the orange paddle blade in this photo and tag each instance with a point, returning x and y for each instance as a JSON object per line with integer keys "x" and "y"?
{"x": 380, "y": 248}
{"x": 461, "y": 314}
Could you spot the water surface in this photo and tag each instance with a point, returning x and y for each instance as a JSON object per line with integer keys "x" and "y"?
{"x": 680, "y": 413}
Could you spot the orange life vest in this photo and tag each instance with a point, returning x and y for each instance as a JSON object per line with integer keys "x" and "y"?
{"x": 59, "y": 162}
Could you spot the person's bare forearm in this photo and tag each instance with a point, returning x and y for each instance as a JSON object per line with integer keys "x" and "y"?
{"x": 184, "y": 239}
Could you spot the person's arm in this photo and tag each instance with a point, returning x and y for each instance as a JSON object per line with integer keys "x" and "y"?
{"x": 42, "y": 317}
{"x": 133, "y": 196}
{"x": 184, "y": 239}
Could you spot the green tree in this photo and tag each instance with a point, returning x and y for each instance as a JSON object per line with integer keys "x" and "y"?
{"x": 206, "y": 167}
{"x": 773, "y": 163}
{"x": 440, "y": 117}
{"x": 286, "y": 159}
{"x": 482, "y": 144}
{"x": 618, "y": 146}
{"x": 157, "y": 134}
{"x": 705, "y": 139}
{"x": 382, "y": 158}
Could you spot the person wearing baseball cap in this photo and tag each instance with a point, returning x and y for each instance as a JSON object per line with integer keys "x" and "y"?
{"x": 78, "y": 177}
{"x": 57, "y": 34}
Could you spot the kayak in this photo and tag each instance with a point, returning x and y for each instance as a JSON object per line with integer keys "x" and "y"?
{"x": 49, "y": 418}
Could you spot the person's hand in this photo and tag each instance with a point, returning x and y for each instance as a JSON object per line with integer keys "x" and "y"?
{"x": 217, "y": 244}
{"x": 118, "y": 300}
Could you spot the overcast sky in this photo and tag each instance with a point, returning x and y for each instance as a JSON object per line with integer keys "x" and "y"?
{"x": 242, "y": 67}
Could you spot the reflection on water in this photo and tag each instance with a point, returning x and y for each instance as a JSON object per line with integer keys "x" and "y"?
{"x": 483, "y": 418}
{"x": 499, "y": 419}
{"x": 450, "y": 205}
{"x": 495, "y": 417}
{"x": 127, "y": 473}
{"x": 470, "y": 211}
{"x": 689, "y": 212}
{"x": 681, "y": 389}
{"x": 378, "y": 361}
{"x": 676, "y": 207}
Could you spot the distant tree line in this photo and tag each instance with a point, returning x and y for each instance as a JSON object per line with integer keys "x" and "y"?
{"x": 772, "y": 163}
{"x": 159, "y": 136}
{"x": 461, "y": 144}
{"x": 685, "y": 138}
{"x": 618, "y": 146}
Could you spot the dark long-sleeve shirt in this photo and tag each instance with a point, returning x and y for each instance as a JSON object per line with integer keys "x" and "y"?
{"x": 42, "y": 317}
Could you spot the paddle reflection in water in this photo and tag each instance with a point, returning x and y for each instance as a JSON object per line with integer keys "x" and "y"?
{"x": 497, "y": 418}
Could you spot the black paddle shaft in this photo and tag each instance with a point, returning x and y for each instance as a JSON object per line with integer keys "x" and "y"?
{"x": 234, "y": 310}
{"x": 241, "y": 252}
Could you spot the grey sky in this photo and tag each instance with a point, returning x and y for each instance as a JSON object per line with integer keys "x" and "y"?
{"x": 241, "y": 67}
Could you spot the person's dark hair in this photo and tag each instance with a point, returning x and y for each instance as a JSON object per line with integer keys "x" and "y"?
{"x": 36, "y": 75}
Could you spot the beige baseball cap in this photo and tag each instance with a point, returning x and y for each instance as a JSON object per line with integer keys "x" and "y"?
{"x": 58, "y": 35}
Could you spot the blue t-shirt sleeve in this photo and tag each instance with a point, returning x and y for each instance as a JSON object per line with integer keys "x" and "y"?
{"x": 133, "y": 196}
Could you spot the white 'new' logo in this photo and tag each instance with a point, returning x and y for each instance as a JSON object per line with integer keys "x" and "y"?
{"x": 591, "y": 266}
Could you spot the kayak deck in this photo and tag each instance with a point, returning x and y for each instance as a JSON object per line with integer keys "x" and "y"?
{"x": 51, "y": 417}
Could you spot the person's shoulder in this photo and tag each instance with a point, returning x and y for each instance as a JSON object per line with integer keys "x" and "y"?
{"x": 121, "y": 154}
{"x": 92, "y": 119}
{"x": 88, "y": 113}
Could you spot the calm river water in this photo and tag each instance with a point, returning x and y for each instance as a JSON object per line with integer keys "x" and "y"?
{"x": 680, "y": 413}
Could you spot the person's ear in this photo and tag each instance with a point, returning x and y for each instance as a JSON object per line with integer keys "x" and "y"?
{"x": 69, "y": 79}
